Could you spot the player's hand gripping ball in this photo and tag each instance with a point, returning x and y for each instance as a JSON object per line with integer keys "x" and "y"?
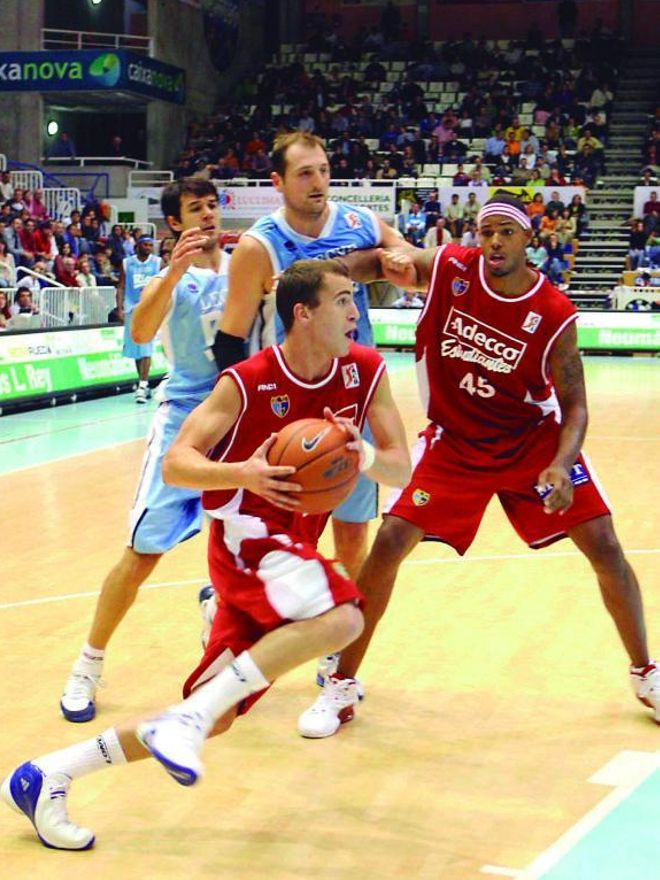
{"x": 325, "y": 468}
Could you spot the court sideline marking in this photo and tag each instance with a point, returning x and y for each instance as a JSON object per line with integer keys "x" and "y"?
{"x": 201, "y": 580}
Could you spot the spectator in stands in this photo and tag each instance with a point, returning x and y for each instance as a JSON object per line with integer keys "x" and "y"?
{"x": 554, "y": 264}
{"x": 461, "y": 178}
{"x": 494, "y": 145}
{"x": 62, "y": 148}
{"x": 415, "y": 224}
{"x": 29, "y": 242}
{"x": 34, "y": 202}
{"x": 46, "y": 245}
{"x": 454, "y": 216}
{"x": 471, "y": 208}
{"x": 67, "y": 275}
{"x": 437, "y": 235}
{"x": 58, "y": 267}
{"x": 116, "y": 244}
{"x": 586, "y": 166}
{"x": 527, "y": 161}
{"x": 106, "y": 276}
{"x": 566, "y": 229}
{"x": 478, "y": 164}
{"x": 7, "y": 267}
{"x": 536, "y": 210}
{"x": 476, "y": 180}
{"x": 432, "y": 209}
{"x": 637, "y": 246}
{"x": 84, "y": 275}
{"x": 563, "y": 162}
{"x": 536, "y": 253}
{"x": 386, "y": 172}
{"x": 23, "y": 304}
{"x": 6, "y": 187}
{"x": 579, "y": 211}
{"x": 409, "y": 299}
{"x": 651, "y": 204}
{"x": 555, "y": 178}
{"x": 5, "y": 312}
{"x": 470, "y": 239}
{"x": 601, "y": 97}
{"x": 16, "y": 203}
{"x": 535, "y": 178}
{"x": 548, "y": 224}
{"x": 647, "y": 178}
{"x": 12, "y": 237}
{"x": 653, "y": 250}
{"x": 555, "y": 203}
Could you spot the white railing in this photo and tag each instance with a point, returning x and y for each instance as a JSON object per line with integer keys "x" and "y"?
{"x": 27, "y": 179}
{"x": 56, "y": 38}
{"x": 83, "y": 161}
{"x": 23, "y": 270}
{"x": 61, "y": 201}
{"x": 74, "y": 306}
{"x": 150, "y": 178}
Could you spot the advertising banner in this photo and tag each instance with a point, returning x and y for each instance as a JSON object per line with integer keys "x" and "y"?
{"x": 91, "y": 70}
{"x": 34, "y": 364}
{"x": 608, "y": 331}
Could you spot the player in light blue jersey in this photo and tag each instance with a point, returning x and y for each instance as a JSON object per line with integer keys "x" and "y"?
{"x": 136, "y": 271}
{"x": 307, "y": 226}
{"x": 185, "y": 301}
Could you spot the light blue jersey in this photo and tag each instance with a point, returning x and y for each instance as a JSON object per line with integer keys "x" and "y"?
{"x": 136, "y": 275}
{"x": 348, "y": 228}
{"x": 163, "y": 516}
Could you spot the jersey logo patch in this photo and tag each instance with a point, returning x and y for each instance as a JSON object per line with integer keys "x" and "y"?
{"x": 280, "y": 405}
{"x": 351, "y": 376}
{"x": 531, "y": 322}
{"x": 459, "y": 286}
{"x": 353, "y": 221}
{"x": 420, "y": 497}
{"x": 475, "y": 341}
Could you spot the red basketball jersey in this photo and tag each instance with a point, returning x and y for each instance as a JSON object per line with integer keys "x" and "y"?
{"x": 482, "y": 358}
{"x": 273, "y": 396}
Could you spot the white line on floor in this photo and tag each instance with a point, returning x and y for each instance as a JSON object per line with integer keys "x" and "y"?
{"x": 63, "y": 598}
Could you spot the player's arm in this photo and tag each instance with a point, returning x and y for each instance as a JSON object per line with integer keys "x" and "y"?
{"x": 365, "y": 265}
{"x": 409, "y": 269}
{"x": 568, "y": 378}
{"x": 156, "y": 296}
{"x": 388, "y": 461}
{"x": 121, "y": 287}
{"x": 187, "y": 463}
{"x": 250, "y": 277}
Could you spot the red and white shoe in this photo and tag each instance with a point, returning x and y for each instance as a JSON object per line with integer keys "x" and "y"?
{"x": 645, "y": 681}
{"x": 332, "y": 708}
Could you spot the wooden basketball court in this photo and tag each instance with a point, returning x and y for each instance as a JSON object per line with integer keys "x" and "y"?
{"x": 496, "y": 686}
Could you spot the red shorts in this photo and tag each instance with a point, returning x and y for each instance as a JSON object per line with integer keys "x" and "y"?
{"x": 447, "y": 498}
{"x": 279, "y": 581}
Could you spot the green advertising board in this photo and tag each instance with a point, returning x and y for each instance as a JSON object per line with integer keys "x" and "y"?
{"x": 604, "y": 331}
{"x": 54, "y": 362}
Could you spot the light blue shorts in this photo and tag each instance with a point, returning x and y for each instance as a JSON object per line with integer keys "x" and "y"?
{"x": 133, "y": 349}
{"x": 362, "y": 504}
{"x": 162, "y": 516}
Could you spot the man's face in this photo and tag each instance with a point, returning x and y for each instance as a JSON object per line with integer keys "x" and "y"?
{"x": 503, "y": 242}
{"x": 201, "y": 211}
{"x": 145, "y": 249}
{"x": 334, "y": 319}
{"x": 306, "y": 180}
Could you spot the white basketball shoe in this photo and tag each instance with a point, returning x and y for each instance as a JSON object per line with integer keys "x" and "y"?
{"x": 78, "y": 700}
{"x": 332, "y": 708}
{"x": 645, "y": 681}
{"x": 176, "y": 740}
{"x": 42, "y": 798}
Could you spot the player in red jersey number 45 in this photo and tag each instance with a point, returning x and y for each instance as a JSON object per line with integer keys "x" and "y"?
{"x": 503, "y": 386}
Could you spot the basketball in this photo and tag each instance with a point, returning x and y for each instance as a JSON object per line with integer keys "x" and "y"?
{"x": 325, "y": 469}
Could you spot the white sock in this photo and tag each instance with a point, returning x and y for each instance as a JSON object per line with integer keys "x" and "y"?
{"x": 86, "y": 757}
{"x": 235, "y": 682}
{"x": 143, "y": 383}
{"x": 89, "y": 653}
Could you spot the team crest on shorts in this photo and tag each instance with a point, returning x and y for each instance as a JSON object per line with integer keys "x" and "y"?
{"x": 280, "y": 405}
{"x": 351, "y": 375}
{"x": 531, "y": 322}
{"x": 420, "y": 497}
{"x": 459, "y": 286}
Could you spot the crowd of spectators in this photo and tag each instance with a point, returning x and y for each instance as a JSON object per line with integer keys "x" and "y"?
{"x": 378, "y": 135}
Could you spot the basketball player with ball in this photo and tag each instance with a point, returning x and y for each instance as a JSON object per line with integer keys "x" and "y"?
{"x": 280, "y": 603}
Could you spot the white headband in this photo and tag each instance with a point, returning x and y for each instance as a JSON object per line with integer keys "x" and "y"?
{"x": 509, "y": 211}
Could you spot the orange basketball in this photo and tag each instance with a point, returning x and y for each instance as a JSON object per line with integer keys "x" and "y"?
{"x": 325, "y": 469}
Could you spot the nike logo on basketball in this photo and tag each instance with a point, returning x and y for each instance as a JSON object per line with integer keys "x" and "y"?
{"x": 310, "y": 445}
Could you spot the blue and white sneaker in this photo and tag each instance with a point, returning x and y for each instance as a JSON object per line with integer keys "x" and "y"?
{"x": 208, "y": 605}
{"x": 176, "y": 740}
{"x": 78, "y": 700}
{"x": 42, "y": 798}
